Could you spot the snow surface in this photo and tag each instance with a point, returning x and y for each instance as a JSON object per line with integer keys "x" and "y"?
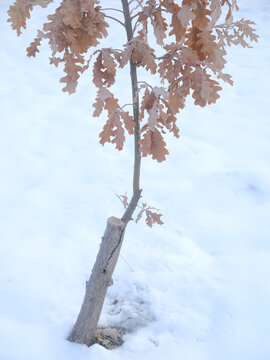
{"x": 196, "y": 288}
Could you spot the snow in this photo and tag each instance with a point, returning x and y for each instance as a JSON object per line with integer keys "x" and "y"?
{"x": 196, "y": 288}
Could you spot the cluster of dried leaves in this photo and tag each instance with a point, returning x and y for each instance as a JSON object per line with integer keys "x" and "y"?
{"x": 192, "y": 33}
{"x": 152, "y": 216}
{"x": 110, "y": 338}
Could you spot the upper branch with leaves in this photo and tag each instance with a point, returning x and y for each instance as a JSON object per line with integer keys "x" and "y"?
{"x": 192, "y": 34}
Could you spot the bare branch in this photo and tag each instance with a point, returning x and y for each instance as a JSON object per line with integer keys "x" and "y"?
{"x": 113, "y": 18}
{"x": 145, "y": 83}
{"x": 104, "y": 9}
{"x": 122, "y": 107}
{"x": 139, "y": 4}
{"x": 133, "y": 17}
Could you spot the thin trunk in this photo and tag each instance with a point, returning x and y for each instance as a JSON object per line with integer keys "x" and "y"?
{"x": 135, "y": 97}
{"x": 84, "y": 329}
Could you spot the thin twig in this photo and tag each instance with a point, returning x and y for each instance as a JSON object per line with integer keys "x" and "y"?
{"x": 121, "y": 108}
{"x": 135, "y": 25}
{"x": 133, "y": 17}
{"x": 139, "y": 4}
{"x": 131, "y": 268}
{"x": 146, "y": 83}
{"x": 119, "y": 197}
{"x": 113, "y": 18}
{"x": 104, "y": 9}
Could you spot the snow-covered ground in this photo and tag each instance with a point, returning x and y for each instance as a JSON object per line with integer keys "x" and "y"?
{"x": 196, "y": 288}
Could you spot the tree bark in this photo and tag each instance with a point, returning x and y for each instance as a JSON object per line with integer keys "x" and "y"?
{"x": 101, "y": 277}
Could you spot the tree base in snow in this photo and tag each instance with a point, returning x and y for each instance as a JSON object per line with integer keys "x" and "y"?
{"x": 83, "y": 331}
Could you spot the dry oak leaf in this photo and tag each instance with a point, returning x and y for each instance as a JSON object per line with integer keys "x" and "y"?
{"x": 72, "y": 69}
{"x": 176, "y": 100}
{"x": 177, "y": 30}
{"x": 20, "y": 11}
{"x": 104, "y": 69}
{"x": 102, "y": 95}
{"x": 245, "y": 30}
{"x": 71, "y": 12}
{"x": 33, "y": 47}
{"x": 147, "y": 102}
{"x": 153, "y": 144}
{"x": 201, "y": 15}
{"x": 216, "y": 12}
{"x": 141, "y": 55}
{"x": 113, "y": 129}
{"x": 159, "y": 25}
{"x": 212, "y": 53}
{"x": 128, "y": 121}
{"x": 154, "y": 103}
{"x": 205, "y": 90}
{"x": 185, "y": 14}
{"x": 70, "y": 30}
{"x": 124, "y": 200}
{"x": 153, "y": 217}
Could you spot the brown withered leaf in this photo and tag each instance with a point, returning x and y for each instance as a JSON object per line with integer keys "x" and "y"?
{"x": 113, "y": 132}
{"x": 212, "y": 52}
{"x": 97, "y": 73}
{"x": 111, "y": 104}
{"x": 71, "y": 12}
{"x": 153, "y": 144}
{"x": 104, "y": 69}
{"x": 140, "y": 214}
{"x": 153, "y": 217}
{"x": 153, "y": 116}
{"x": 177, "y": 30}
{"x": 176, "y": 100}
{"x": 33, "y": 47}
{"x": 205, "y": 89}
{"x": 246, "y": 30}
{"x": 108, "y": 61}
{"x": 159, "y": 25}
{"x": 201, "y": 15}
{"x": 123, "y": 199}
{"x": 167, "y": 119}
{"x": 160, "y": 117}
{"x": 225, "y": 77}
{"x": 55, "y": 61}
{"x": 72, "y": 69}
{"x": 102, "y": 95}
{"x": 141, "y": 54}
{"x": 216, "y": 12}
{"x": 20, "y": 11}
{"x": 72, "y": 29}
{"x": 110, "y": 338}
{"x": 128, "y": 121}
{"x": 125, "y": 56}
{"x": 185, "y": 14}
{"x": 147, "y": 102}
{"x": 118, "y": 133}
{"x": 146, "y": 143}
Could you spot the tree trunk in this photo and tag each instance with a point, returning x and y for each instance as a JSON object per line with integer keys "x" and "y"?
{"x": 96, "y": 288}
{"x": 101, "y": 276}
